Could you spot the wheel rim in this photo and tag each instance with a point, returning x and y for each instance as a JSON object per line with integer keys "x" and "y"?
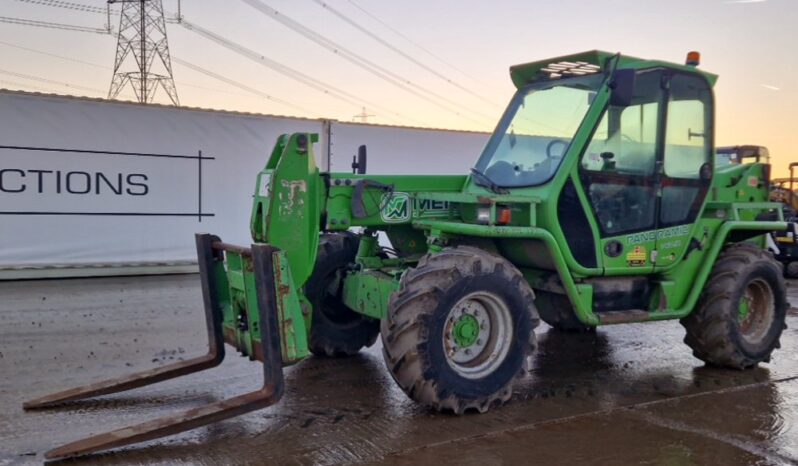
{"x": 477, "y": 334}
{"x": 756, "y": 311}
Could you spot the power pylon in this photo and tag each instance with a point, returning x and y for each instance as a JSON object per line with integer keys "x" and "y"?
{"x": 362, "y": 116}
{"x": 142, "y": 42}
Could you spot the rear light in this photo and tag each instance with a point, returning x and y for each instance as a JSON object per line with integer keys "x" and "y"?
{"x": 505, "y": 216}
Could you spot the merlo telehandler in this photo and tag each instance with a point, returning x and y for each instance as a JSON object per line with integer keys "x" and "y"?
{"x": 596, "y": 201}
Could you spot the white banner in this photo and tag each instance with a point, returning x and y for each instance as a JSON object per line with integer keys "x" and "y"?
{"x": 87, "y": 182}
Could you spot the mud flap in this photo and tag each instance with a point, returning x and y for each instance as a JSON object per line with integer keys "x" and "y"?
{"x": 266, "y": 338}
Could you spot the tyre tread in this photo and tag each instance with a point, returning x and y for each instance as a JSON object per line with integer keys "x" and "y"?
{"x": 709, "y": 327}
{"x": 403, "y": 332}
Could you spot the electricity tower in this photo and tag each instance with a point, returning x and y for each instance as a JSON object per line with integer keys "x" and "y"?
{"x": 362, "y": 116}
{"x": 142, "y": 51}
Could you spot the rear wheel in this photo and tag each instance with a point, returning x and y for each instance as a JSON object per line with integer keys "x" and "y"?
{"x": 336, "y": 330}
{"x": 556, "y": 310}
{"x": 791, "y": 270}
{"x": 741, "y": 313}
{"x": 459, "y": 330}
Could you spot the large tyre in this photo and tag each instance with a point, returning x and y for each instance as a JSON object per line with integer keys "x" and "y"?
{"x": 556, "y": 310}
{"x": 336, "y": 330}
{"x": 459, "y": 330}
{"x": 791, "y": 269}
{"x": 740, "y": 315}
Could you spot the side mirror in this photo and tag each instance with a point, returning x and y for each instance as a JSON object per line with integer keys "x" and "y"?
{"x": 623, "y": 87}
{"x": 359, "y": 161}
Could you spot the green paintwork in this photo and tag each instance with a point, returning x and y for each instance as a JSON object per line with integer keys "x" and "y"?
{"x": 294, "y": 323}
{"x": 420, "y": 215}
{"x": 286, "y": 208}
{"x": 341, "y": 191}
{"x": 368, "y": 253}
{"x": 743, "y": 310}
{"x": 465, "y": 330}
{"x": 239, "y": 301}
{"x": 368, "y": 291}
{"x": 582, "y": 300}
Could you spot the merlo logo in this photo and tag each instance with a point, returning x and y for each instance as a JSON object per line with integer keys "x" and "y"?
{"x": 396, "y": 207}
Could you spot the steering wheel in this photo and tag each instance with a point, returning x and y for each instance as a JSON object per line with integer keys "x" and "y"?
{"x": 620, "y": 209}
{"x": 501, "y": 172}
{"x": 551, "y": 145}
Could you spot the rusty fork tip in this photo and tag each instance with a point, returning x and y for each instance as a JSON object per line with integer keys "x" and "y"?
{"x": 69, "y": 450}
{"x": 58, "y": 454}
{"x": 35, "y": 404}
{"x": 41, "y": 403}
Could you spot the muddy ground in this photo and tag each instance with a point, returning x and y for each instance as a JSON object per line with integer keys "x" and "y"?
{"x": 628, "y": 394}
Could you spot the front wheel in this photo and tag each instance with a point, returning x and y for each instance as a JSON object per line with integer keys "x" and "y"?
{"x": 741, "y": 313}
{"x": 459, "y": 330}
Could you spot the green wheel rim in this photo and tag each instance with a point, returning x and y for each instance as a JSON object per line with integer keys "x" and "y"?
{"x": 477, "y": 335}
{"x": 756, "y": 310}
{"x": 465, "y": 330}
{"x": 743, "y": 310}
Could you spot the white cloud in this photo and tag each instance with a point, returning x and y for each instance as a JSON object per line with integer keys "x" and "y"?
{"x": 772, "y": 88}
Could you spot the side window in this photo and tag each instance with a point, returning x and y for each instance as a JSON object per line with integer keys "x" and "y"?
{"x": 600, "y": 143}
{"x": 638, "y": 139}
{"x": 688, "y": 146}
{"x": 632, "y": 143}
{"x": 618, "y": 166}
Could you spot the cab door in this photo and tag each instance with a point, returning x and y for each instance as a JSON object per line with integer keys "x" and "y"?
{"x": 619, "y": 174}
{"x": 686, "y": 166}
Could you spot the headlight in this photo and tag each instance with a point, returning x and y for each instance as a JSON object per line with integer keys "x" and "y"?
{"x": 483, "y": 215}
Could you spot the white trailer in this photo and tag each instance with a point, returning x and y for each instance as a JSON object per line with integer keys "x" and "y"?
{"x": 96, "y": 187}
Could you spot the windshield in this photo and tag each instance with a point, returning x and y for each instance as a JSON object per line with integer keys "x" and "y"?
{"x": 536, "y": 130}
{"x": 725, "y": 158}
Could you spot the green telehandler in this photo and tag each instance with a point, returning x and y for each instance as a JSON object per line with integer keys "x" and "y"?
{"x": 596, "y": 201}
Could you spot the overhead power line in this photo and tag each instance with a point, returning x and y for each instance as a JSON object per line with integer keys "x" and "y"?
{"x": 50, "y": 25}
{"x": 414, "y": 43}
{"x": 206, "y": 88}
{"x": 50, "y": 81}
{"x": 274, "y": 65}
{"x": 400, "y": 52}
{"x": 366, "y": 64}
{"x": 185, "y": 63}
{"x": 285, "y": 70}
{"x": 95, "y": 65}
{"x": 239, "y": 85}
{"x": 68, "y": 5}
{"x": 27, "y": 87}
{"x": 310, "y": 81}
{"x": 41, "y": 52}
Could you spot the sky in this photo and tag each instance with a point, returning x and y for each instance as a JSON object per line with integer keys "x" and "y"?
{"x": 456, "y": 76}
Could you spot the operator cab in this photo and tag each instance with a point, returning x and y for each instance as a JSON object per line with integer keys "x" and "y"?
{"x": 623, "y": 147}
